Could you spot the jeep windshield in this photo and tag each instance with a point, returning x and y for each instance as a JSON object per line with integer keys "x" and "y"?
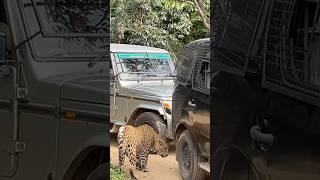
{"x": 60, "y": 29}
{"x": 133, "y": 66}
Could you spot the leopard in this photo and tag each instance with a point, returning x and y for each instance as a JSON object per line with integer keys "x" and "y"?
{"x": 137, "y": 143}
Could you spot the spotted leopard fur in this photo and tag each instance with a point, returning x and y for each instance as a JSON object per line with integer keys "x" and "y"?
{"x": 137, "y": 143}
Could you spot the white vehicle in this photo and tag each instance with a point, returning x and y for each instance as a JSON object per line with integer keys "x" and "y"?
{"x": 142, "y": 83}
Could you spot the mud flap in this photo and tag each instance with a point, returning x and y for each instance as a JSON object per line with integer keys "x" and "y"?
{"x": 163, "y": 129}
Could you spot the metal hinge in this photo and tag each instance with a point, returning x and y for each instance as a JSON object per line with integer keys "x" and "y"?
{"x": 4, "y": 71}
{"x": 19, "y": 146}
{"x": 22, "y": 93}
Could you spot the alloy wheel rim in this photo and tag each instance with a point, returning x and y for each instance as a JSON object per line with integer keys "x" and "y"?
{"x": 186, "y": 158}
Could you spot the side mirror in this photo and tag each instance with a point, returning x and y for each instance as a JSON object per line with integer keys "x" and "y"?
{"x": 189, "y": 83}
{"x": 3, "y": 48}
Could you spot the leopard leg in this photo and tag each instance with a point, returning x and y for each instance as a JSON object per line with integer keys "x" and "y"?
{"x": 144, "y": 162}
{"x": 132, "y": 161}
{"x": 121, "y": 157}
{"x": 138, "y": 162}
{"x": 152, "y": 150}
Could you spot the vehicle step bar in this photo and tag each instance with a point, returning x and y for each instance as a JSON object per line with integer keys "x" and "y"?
{"x": 115, "y": 128}
{"x": 205, "y": 166}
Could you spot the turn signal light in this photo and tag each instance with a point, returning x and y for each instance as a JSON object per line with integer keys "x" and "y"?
{"x": 166, "y": 105}
{"x": 70, "y": 115}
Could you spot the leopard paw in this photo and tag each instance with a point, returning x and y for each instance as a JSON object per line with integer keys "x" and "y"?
{"x": 142, "y": 169}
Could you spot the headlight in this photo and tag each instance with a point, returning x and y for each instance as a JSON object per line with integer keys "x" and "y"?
{"x": 167, "y": 105}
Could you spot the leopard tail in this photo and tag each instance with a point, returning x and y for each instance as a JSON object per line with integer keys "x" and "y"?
{"x": 121, "y": 135}
{"x": 121, "y": 146}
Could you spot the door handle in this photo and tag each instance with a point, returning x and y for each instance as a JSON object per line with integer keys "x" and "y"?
{"x": 191, "y": 104}
{"x": 4, "y": 71}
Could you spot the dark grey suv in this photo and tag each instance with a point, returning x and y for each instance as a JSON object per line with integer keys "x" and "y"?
{"x": 191, "y": 112}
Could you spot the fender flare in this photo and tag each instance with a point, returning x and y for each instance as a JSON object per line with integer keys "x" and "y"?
{"x": 98, "y": 141}
{"x": 183, "y": 115}
{"x": 157, "y": 108}
{"x": 218, "y": 154}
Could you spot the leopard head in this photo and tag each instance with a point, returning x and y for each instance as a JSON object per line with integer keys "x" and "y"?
{"x": 161, "y": 147}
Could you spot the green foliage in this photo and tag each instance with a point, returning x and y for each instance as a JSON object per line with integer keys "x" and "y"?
{"x": 117, "y": 174}
{"x": 167, "y": 24}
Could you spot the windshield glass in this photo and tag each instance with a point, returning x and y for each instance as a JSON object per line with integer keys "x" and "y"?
{"x": 136, "y": 65}
{"x": 70, "y": 28}
{"x": 72, "y": 16}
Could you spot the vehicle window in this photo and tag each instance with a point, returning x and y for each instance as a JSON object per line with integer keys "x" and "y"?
{"x": 3, "y": 17}
{"x": 201, "y": 73}
{"x": 145, "y": 63}
{"x": 135, "y": 65}
{"x": 74, "y": 29}
{"x": 234, "y": 44}
{"x": 184, "y": 68}
{"x": 76, "y": 16}
{"x": 201, "y": 76}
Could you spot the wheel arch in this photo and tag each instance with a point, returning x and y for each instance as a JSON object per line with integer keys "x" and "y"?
{"x": 221, "y": 157}
{"x": 180, "y": 128}
{"x": 182, "y": 124}
{"x": 141, "y": 109}
{"x": 89, "y": 149}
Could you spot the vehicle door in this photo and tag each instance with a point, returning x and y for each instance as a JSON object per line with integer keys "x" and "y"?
{"x": 8, "y": 112}
{"x": 200, "y": 101}
{"x": 114, "y": 91}
{"x": 118, "y": 98}
{"x": 183, "y": 90}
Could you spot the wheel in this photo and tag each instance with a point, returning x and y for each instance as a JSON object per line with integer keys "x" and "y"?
{"x": 99, "y": 173}
{"x": 231, "y": 164}
{"x": 189, "y": 158}
{"x": 154, "y": 120}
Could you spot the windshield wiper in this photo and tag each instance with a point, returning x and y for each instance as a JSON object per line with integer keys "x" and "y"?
{"x": 96, "y": 60}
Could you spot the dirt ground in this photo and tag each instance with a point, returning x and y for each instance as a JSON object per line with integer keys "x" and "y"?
{"x": 158, "y": 168}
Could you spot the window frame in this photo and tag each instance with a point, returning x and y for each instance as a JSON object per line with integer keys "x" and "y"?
{"x": 199, "y": 59}
{"x": 194, "y": 48}
{"x": 238, "y": 59}
{"x": 205, "y": 90}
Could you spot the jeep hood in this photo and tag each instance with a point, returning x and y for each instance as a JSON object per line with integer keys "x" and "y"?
{"x": 90, "y": 88}
{"x": 161, "y": 91}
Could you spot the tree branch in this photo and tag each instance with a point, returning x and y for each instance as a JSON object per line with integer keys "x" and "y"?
{"x": 202, "y": 12}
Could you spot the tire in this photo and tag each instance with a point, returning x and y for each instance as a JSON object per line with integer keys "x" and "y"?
{"x": 220, "y": 159}
{"x": 99, "y": 173}
{"x": 154, "y": 120}
{"x": 189, "y": 158}
{"x": 231, "y": 164}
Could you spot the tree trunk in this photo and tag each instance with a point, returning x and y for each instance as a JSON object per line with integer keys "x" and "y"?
{"x": 202, "y": 12}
